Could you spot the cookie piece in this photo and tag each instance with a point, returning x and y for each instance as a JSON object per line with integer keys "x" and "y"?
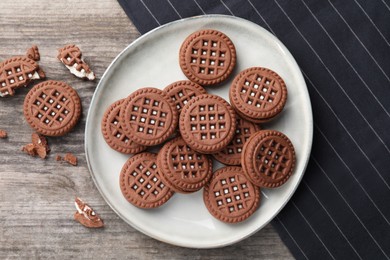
{"x": 113, "y": 132}
{"x": 17, "y": 72}
{"x": 207, "y": 57}
{"x": 141, "y": 184}
{"x": 231, "y": 154}
{"x": 183, "y": 91}
{"x": 52, "y": 108}
{"x": 71, "y": 159}
{"x": 258, "y": 94}
{"x": 148, "y": 116}
{"x": 230, "y": 196}
{"x": 30, "y": 150}
{"x": 207, "y": 123}
{"x": 86, "y": 216}
{"x": 3, "y": 134}
{"x": 183, "y": 169}
{"x": 40, "y": 144}
{"x": 71, "y": 56}
{"x": 268, "y": 158}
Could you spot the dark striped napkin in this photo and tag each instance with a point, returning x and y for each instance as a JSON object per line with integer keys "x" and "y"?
{"x": 341, "y": 209}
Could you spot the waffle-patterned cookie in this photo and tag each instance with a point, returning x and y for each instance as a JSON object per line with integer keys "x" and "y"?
{"x": 258, "y": 94}
{"x": 230, "y": 196}
{"x": 183, "y": 169}
{"x": 231, "y": 154}
{"x": 207, "y": 57}
{"x": 71, "y": 56}
{"x": 148, "y": 116}
{"x": 207, "y": 123}
{"x": 141, "y": 184}
{"x": 86, "y": 216}
{"x": 183, "y": 91}
{"x": 52, "y": 108}
{"x": 113, "y": 132}
{"x": 18, "y": 72}
{"x": 268, "y": 158}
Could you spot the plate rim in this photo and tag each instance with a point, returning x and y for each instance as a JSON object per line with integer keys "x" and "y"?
{"x": 291, "y": 192}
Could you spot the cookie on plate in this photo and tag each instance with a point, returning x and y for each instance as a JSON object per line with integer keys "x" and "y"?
{"x": 207, "y": 57}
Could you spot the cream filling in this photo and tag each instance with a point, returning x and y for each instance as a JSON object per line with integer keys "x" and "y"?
{"x": 80, "y": 73}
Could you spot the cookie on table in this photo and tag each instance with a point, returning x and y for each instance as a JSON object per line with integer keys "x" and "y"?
{"x": 258, "y": 94}
{"x": 113, "y": 133}
{"x": 183, "y": 91}
{"x": 70, "y": 55}
{"x": 183, "y": 169}
{"x": 52, "y": 108}
{"x": 230, "y": 196}
{"x": 207, "y": 123}
{"x": 231, "y": 154}
{"x": 141, "y": 183}
{"x": 268, "y": 158}
{"x": 17, "y": 72}
{"x": 148, "y": 116}
{"x": 86, "y": 216}
{"x": 207, "y": 57}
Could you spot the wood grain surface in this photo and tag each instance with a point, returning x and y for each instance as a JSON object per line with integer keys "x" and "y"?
{"x": 36, "y": 196}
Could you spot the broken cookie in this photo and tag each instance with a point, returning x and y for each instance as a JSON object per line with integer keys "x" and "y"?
{"x": 71, "y": 56}
{"x": 39, "y": 146}
{"x": 86, "y": 216}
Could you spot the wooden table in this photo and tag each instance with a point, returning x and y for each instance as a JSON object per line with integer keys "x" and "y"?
{"x": 36, "y": 196}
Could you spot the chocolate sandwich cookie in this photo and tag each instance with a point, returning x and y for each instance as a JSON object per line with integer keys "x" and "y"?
{"x": 268, "y": 158}
{"x": 207, "y": 57}
{"x": 183, "y": 91}
{"x": 207, "y": 123}
{"x": 183, "y": 169}
{"x": 141, "y": 184}
{"x": 113, "y": 132}
{"x": 231, "y": 154}
{"x": 230, "y": 196}
{"x": 148, "y": 116}
{"x": 258, "y": 94}
{"x": 52, "y": 108}
{"x": 71, "y": 56}
{"x": 18, "y": 72}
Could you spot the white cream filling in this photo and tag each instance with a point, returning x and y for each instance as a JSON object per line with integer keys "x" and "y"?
{"x": 82, "y": 73}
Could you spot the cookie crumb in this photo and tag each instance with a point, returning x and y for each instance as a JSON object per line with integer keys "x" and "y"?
{"x": 71, "y": 159}
{"x": 3, "y": 134}
{"x": 58, "y": 158}
{"x": 39, "y": 146}
{"x": 30, "y": 150}
{"x": 86, "y": 216}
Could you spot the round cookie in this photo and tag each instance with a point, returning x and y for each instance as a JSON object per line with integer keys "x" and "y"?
{"x": 141, "y": 184}
{"x": 268, "y": 158}
{"x": 183, "y": 91}
{"x": 113, "y": 132}
{"x": 207, "y": 123}
{"x": 52, "y": 108}
{"x": 183, "y": 169}
{"x": 258, "y": 94}
{"x": 231, "y": 154}
{"x": 148, "y": 116}
{"x": 207, "y": 57}
{"x": 230, "y": 196}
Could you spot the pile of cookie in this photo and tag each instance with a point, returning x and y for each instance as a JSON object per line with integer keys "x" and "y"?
{"x": 191, "y": 126}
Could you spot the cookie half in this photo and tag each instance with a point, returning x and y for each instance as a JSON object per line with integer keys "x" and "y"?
{"x": 207, "y": 57}
{"x": 207, "y": 123}
{"x": 230, "y": 196}
{"x": 52, "y": 108}
{"x": 268, "y": 158}
{"x": 183, "y": 169}
{"x": 113, "y": 132}
{"x": 141, "y": 184}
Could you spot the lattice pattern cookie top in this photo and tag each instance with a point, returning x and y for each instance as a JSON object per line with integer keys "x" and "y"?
{"x": 258, "y": 93}
{"x": 230, "y": 196}
{"x": 148, "y": 116}
{"x": 268, "y": 158}
{"x": 141, "y": 184}
{"x": 113, "y": 132}
{"x": 52, "y": 108}
{"x": 231, "y": 154}
{"x": 183, "y": 91}
{"x": 207, "y": 57}
{"x": 183, "y": 169}
{"x": 207, "y": 123}
{"x": 71, "y": 56}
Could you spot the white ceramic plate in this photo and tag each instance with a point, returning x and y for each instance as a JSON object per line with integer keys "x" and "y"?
{"x": 152, "y": 60}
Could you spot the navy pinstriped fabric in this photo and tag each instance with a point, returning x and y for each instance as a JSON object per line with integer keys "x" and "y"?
{"x": 341, "y": 209}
